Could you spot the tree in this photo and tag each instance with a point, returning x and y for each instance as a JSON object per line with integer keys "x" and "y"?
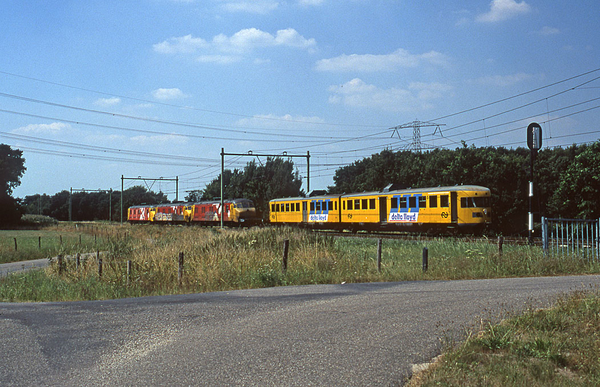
{"x": 579, "y": 188}
{"x": 12, "y": 168}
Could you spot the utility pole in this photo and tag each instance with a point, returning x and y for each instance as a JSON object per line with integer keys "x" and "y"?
{"x": 416, "y": 127}
{"x": 223, "y": 154}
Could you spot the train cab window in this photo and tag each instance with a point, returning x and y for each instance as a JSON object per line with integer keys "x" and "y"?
{"x": 357, "y": 204}
{"x": 371, "y": 204}
{"x": 403, "y": 202}
{"x": 349, "y": 204}
{"x": 394, "y": 203}
{"x": 272, "y": 207}
{"x": 444, "y": 202}
{"x": 277, "y": 208}
{"x": 422, "y": 202}
{"x": 412, "y": 202}
{"x": 433, "y": 201}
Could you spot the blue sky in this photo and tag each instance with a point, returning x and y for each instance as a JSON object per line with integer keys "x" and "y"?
{"x": 93, "y": 90}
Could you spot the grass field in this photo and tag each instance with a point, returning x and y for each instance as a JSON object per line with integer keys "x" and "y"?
{"x": 216, "y": 259}
{"x": 22, "y": 245}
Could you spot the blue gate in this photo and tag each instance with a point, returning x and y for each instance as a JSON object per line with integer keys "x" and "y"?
{"x": 571, "y": 238}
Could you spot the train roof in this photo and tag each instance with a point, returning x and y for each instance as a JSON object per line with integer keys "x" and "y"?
{"x": 454, "y": 188}
{"x": 190, "y": 203}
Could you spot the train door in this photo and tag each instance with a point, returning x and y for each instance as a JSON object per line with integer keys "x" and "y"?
{"x": 453, "y": 207}
{"x": 383, "y": 213}
{"x": 304, "y": 212}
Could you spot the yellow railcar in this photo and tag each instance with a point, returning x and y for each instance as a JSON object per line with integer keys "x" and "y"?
{"x": 461, "y": 208}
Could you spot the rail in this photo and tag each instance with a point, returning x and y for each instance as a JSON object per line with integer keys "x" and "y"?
{"x": 571, "y": 238}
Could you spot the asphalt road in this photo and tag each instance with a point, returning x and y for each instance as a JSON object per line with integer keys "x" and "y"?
{"x": 351, "y": 334}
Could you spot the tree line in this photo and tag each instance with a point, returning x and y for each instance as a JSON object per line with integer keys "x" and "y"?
{"x": 566, "y": 182}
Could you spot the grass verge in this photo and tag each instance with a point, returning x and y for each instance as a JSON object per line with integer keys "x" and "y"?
{"x": 559, "y": 346}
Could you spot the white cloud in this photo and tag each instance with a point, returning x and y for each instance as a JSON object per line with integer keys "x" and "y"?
{"x": 183, "y": 44}
{"x": 547, "y": 31}
{"x": 251, "y": 38}
{"x": 501, "y": 10}
{"x": 429, "y": 91}
{"x": 166, "y": 94}
{"x": 387, "y": 62}
{"x": 257, "y": 6}
{"x": 105, "y": 102}
{"x": 310, "y": 2}
{"x": 223, "y": 49}
{"x": 272, "y": 121}
{"x": 171, "y": 139}
{"x": 504, "y": 80}
{"x": 219, "y": 59}
{"x": 53, "y": 128}
{"x": 357, "y": 93}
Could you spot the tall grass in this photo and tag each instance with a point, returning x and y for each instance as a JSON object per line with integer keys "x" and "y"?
{"x": 216, "y": 259}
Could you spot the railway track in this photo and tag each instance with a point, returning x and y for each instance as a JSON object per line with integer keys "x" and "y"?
{"x": 396, "y": 235}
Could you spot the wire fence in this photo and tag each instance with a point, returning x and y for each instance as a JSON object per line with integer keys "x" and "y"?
{"x": 571, "y": 238}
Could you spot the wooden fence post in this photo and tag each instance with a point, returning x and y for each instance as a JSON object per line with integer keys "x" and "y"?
{"x": 180, "y": 271}
{"x": 128, "y": 272}
{"x": 15, "y": 243}
{"x": 500, "y": 243}
{"x": 286, "y": 249}
{"x": 425, "y": 259}
{"x": 99, "y": 263}
{"x": 39, "y": 242}
{"x": 379, "y": 246}
{"x": 60, "y": 264}
{"x": 78, "y": 261}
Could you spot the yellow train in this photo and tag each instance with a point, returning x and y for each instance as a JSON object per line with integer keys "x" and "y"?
{"x": 464, "y": 208}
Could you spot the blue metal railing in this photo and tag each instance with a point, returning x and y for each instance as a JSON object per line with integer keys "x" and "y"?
{"x": 571, "y": 238}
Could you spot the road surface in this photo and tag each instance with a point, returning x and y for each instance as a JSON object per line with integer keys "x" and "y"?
{"x": 350, "y": 335}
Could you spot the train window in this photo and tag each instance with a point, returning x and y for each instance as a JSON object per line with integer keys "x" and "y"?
{"x": 272, "y": 207}
{"x": 298, "y": 207}
{"x": 433, "y": 201}
{"x": 287, "y": 207}
{"x": 277, "y": 208}
{"x": 357, "y": 204}
{"x": 412, "y": 202}
{"x": 403, "y": 202}
{"x": 364, "y": 204}
{"x": 350, "y": 204}
{"x": 394, "y": 203}
{"x": 343, "y": 205}
{"x": 371, "y": 204}
{"x": 422, "y": 201}
{"x": 444, "y": 202}
{"x": 318, "y": 206}
{"x": 473, "y": 202}
{"x": 335, "y": 205}
{"x": 312, "y": 206}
